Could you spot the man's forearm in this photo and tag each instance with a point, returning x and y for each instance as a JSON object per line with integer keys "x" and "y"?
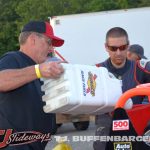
{"x": 11, "y": 79}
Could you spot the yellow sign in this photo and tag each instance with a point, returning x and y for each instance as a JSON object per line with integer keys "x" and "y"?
{"x": 62, "y": 146}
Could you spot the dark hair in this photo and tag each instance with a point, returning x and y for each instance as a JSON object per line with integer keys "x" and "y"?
{"x": 117, "y": 32}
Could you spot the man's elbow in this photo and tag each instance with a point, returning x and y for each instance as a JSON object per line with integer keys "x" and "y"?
{"x": 4, "y": 87}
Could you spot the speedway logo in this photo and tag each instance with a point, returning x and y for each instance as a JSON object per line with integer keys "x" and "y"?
{"x": 91, "y": 83}
{"x": 7, "y": 137}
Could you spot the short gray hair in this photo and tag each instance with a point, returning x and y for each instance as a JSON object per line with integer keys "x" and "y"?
{"x": 24, "y": 36}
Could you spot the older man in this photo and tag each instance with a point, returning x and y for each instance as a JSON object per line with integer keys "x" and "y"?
{"x": 21, "y": 106}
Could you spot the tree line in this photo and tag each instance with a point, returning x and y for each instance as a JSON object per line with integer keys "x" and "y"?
{"x": 15, "y": 13}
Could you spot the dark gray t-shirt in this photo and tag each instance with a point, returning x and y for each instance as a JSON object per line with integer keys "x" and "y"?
{"x": 22, "y": 109}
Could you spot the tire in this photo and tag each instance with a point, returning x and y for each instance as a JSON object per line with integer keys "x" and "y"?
{"x": 59, "y": 125}
{"x": 83, "y": 125}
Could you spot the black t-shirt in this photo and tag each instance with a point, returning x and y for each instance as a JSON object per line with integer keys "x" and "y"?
{"x": 22, "y": 109}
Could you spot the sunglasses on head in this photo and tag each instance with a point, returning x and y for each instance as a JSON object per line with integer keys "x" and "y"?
{"x": 115, "y": 48}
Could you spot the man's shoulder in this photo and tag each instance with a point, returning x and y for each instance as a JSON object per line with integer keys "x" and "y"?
{"x": 9, "y": 60}
{"x": 144, "y": 64}
{"x": 102, "y": 64}
{"x": 9, "y": 54}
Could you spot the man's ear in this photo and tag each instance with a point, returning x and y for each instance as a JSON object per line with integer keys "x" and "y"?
{"x": 128, "y": 47}
{"x": 32, "y": 39}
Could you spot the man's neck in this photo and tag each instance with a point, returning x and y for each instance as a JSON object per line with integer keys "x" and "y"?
{"x": 28, "y": 52}
{"x": 118, "y": 66}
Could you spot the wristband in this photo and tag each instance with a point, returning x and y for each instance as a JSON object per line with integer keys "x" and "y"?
{"x": 37, "y": 71}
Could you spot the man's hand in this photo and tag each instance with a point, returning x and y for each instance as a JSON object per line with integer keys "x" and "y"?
{"x": 51, "y": 69}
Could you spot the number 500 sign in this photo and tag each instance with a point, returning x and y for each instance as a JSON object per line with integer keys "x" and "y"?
{"x": 120, "y": 125}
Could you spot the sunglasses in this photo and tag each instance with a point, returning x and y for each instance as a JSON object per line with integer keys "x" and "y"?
{"x": 115, "y": 48}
